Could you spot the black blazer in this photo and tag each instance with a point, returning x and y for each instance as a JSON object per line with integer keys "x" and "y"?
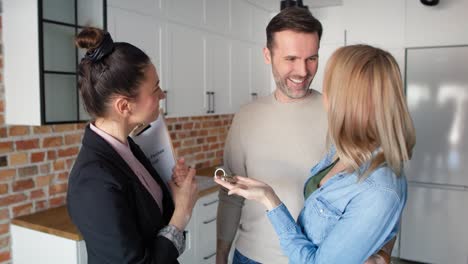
{"x": 116, "y": 215}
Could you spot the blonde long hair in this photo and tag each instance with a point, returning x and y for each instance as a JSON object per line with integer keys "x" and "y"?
{"x": 367, "y": 110}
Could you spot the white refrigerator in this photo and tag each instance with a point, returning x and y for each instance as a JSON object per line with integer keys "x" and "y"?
{"x": 434, "y": 227}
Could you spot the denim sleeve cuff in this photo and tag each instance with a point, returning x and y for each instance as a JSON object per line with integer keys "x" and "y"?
{"x": 175, "y": 236}
{"x": 281, "y": 219}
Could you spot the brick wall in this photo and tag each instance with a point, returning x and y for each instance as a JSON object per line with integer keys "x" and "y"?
{"x": 35, "y": 161}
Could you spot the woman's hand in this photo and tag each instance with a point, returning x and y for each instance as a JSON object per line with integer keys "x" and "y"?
{"x": 185, "y": 196}
{"x": 180, "y": 171}
{"x": 251, "y": 189}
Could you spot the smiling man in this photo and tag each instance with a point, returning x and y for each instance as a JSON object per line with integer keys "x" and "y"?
{"x": 275, "y": 139}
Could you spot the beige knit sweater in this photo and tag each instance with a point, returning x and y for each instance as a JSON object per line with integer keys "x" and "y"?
{"x": 277, "y": 143}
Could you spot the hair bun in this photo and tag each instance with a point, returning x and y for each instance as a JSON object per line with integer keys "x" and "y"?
{"x": 97, "y": 42}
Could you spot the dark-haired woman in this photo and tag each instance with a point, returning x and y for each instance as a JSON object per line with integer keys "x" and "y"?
{"x": 120, "y": 205}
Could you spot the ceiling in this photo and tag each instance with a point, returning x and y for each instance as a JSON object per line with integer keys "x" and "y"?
{"x": 274, "y": 5}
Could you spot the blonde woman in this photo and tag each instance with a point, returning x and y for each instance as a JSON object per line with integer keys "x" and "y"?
{"x": 357, "y": 192}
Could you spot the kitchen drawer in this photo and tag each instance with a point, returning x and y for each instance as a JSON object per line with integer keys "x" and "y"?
{"x": 207, "y": 206}
{"x": 206, "y": 241}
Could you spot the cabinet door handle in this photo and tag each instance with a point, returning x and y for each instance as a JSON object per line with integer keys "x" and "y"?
{"x": 209, "y": 102}
{"x": 213, "y": 104}
{"x": 209, "y": 256}
{"x": 210, "y": 203}
{"x": 165, "y": 102}
{"x": 209, "y": 221}
{"x": 254, "y": 96}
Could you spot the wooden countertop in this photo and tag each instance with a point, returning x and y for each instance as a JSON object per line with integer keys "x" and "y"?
{"x": 56, "y": 221}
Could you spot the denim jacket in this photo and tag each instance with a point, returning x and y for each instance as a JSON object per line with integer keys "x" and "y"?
{"x": 345, "y": 220}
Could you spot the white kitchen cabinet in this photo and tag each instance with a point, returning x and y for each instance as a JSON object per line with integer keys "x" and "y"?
{"x": 439, "y": 236}
{"x": 201, "y": 232}
{"x": 217, "y": 76}
{"x": 145, "y": 7}
{"x": 31, "y": 246}
{"x": 241, "y": 19}
{"x": 127, "y": 26}
{"x": 187, "y": 72}
{"x": 217, "y": 15}
{"x": 41, "y": 58}
{"x": 240, "y": 74}
{"x": 188, "y": 12}
{"x": 261, "y": 74}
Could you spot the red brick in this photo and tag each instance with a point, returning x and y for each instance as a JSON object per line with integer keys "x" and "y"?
{"x": 52, "y": 142}
{"x": 42, "y": 181}
{"x": 51, "y": 155}
{"x": 22, "y": 209}
{"x": 3, "y": 132}
{"x": 59, "y": 165}
{"x": 176, "y": 144}
{"x": 4, "y": 214}
{"x": 5, "y": 256}
{"x": 187, "y": 125}
{"x": 44, "y": 168}
{"x": 23, "y": 185}
{"x": 4, "y": 228}
{"x": 219, "y": 153}
{"x": 188, "y": 143}
{"x": 18, "y": 158}
{"x": 2, "y": 104}
{"x": 57, "y": 201}
{"x": 81, "y": 126}
{"x": 63, "y": 128}
{"x": 37, "y": 157}
{"x": 63, "y": 176}
{"x": 7, "y": 174}
{"x": 28, "y": 171}
{"x": 6, "y": 147}
{"x": 5, "y": 242}
{"x": 200, "y": 156}
{"x": 27, "y": 144}
{"x": 42, "y": 129}
{"x": 58, "y": 188}
{"x": 37, "y": 194}
{"x": 200, "y": 140}
{"x": 68, "y": 152}
{"x": 214, "y": 146}
{"x": 72, "y": 139}
{"x": 211, "y": 139}
{"x": 70, "y": 163}
{"x": 41, "y": 205}
{"x": 3, "y": 188}
{"x": 2, "y": 119}
{"x": 12, "y": 199}
{"x": 18, "y": 131}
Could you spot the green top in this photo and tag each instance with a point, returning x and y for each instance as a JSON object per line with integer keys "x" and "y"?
{"x": 314, "y": 182}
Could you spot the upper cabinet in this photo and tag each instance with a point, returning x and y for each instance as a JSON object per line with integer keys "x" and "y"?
{"x": 208, "y": 53}
{"x": 41, "y": 58}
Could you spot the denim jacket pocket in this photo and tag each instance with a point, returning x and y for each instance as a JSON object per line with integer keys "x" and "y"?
{"x": 322, "y": 218}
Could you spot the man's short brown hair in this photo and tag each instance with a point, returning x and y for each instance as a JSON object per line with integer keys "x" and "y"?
{"x": 297, "y": 19}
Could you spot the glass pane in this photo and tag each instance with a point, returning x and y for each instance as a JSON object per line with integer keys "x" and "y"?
{"x": 59, "y": 48}
{"x": 59, "y": 10}
{"x": 90, "y": 13}
{"x": 60, "y": 97}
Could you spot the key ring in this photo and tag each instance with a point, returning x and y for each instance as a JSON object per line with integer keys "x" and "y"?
{"x": 225, "y": 176}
